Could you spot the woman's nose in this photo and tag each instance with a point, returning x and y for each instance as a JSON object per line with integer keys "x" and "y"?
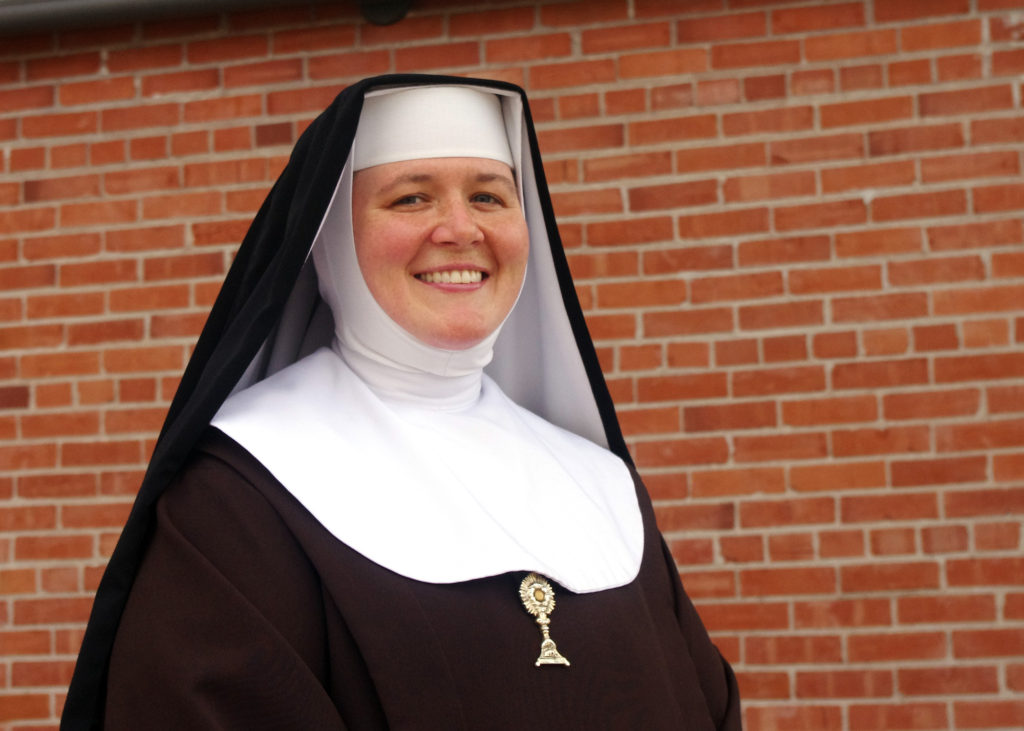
{"x": 457, "y": 225}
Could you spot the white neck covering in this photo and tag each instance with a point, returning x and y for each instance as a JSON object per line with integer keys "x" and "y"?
{"x": 409, "y": 453}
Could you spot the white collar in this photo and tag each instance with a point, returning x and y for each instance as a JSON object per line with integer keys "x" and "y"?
{"x": 442, "y": 495}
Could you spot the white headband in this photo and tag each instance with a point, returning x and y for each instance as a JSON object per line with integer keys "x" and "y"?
{"x": 428, "y": 122}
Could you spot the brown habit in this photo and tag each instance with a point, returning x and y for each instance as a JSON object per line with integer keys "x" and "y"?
{"x": 248, "y": 614}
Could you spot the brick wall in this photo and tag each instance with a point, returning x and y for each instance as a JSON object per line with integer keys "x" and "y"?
{"x": 798, "y": 232}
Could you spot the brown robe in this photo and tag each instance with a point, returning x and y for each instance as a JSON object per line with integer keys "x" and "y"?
{"x": 247, "y": 614}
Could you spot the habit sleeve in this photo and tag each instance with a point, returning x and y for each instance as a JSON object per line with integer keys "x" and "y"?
{"x": 224, "y": 628}
{"x": 720, "y": 689}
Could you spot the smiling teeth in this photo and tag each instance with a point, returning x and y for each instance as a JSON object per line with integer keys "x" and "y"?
{"x": 463, "y": 276}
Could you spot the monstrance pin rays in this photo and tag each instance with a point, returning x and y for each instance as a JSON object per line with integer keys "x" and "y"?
{"x": 539, "y": 599}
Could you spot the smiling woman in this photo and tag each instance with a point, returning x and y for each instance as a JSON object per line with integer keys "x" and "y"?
{"x": 392, "y": 456}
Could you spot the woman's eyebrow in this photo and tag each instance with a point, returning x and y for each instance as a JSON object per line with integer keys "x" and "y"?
{"x": 427, "y": 177}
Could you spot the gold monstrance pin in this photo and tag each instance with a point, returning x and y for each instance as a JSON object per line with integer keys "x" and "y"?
{"x": 539, "y": 599}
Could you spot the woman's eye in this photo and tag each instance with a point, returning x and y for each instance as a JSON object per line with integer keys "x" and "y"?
{"x": 486, "y": 198}
{"x": 408, "y": 200}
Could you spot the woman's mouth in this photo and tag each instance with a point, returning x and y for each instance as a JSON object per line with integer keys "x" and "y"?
{"x": 453, "y": 276}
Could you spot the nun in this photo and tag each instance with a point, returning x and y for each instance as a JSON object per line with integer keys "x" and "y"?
{"x": 391, "y": 491}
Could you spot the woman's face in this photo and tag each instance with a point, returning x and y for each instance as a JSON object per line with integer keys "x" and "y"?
{"x": 442, "y": 244}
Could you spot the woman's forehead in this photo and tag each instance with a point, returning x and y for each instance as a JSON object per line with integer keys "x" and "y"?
{"x": 475, "y": 169}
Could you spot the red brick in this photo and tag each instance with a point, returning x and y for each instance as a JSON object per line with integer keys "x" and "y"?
{"x": 735, "y": 352}
{"x": 801, "y": 20}
{"x": 904, "y": 715}
{"x": 722, "y": 27}
{"x": 135, "y": 299}
{"x": 915, "y": 139}
{"x": 886, "y": 341}
{"x": 50, "y": 189}
{"x": 988, "y": 643}
{"x": 144, "y": 57}
{"x": 787, "y": 581}
{"x": 704, "y": 290}
{"x": 627, "y": 166}
{"x": 678, "y": 128}
{"x": 789, "y": 379}
{"x": 989, "y": 714}
{"x": 676, "y": 62}
{"x": 893, "y": 541}
{"x": 998, "y": 198}
{"x": 875, "y": 374}
{"x": 843, "y": 612}
{"x": 873, "y": 111}
{"x": 856, "y": 177}
{"x": 985, "y": 571}
{"x": 491, "y": 21}
{"x": 603, "y": 264}
{"x": 880, "y": 307}
{"x": 785, "y": 314}
{"x": 180, "y": 81}
{"x": 726, "y": 223}
{"x": 784, "y": 250}
{"x": 223, "y": 108}
{"x": 835, "y": 345}
{"x": 703, "y": 584}
{"x": 835, "y": 279}
{"x": 57, "y": 125}
{"x": 791, "y": 547}
{"x": 581, "y": 138}
{"x": 719, "y": 483}
{"x": 696, "y": 517}
{"x": 976, "y": 502}
{"x": 784, "y": 119}
{"x": 911, "y": 10}
{"x": 118, "y": 88}
{"x": 128, "y": 118}
{"x": 889, "y": 647}
{"x": 181, "y": 204}
{"x": 985, "y": 99}
{"x": 854, "y": 475}
{"x": 28, "y": 97}
{"x": 27, "y": 456}
{"x": 142, "y": 239}
{"x": 62, "y": 66}
{"x": 719, "y": 91}
{"x": 24, "y": 706}
{"x": 720, "y": 157}
{"x": 791, "y": 650}
{"x": 670, "y": 452}
{"x": 919, "y": 205}
{"x": 760, "y": 187}
{"x": 80, "y": 454}
{"x": 789, "y": 511}
{"x": 997, "y": 536}
{"x": 355, "y": 64}
{"x": 910, "y": 73}
{"x": 931, "y": 404}
{"x": 844, "y": 684}
{"x": 820, "y": 215}
{"x": 750, "y": 415}
{"x": 608, "y": 200}
{"x": 944, "y": 539}
{"x": 672, "y": 195}
{"x": 757, "y": 54}
{"x": 830, "y": 410}
{"x": 689, "y": 258}
{"x": 855, "y": 44}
